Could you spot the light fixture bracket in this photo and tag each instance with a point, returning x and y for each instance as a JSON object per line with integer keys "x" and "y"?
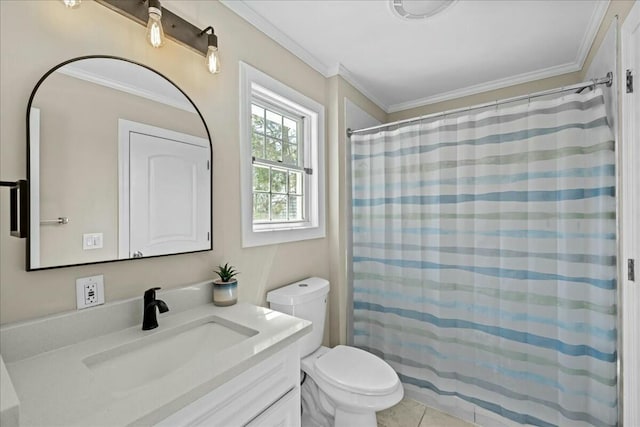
{"x": 212, "y": 39}
{"x": 175, "y": 28}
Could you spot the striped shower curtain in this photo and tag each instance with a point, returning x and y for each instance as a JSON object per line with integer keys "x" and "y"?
{"x": 484, "y": 260}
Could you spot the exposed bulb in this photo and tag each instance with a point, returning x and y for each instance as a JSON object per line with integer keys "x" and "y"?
{"x": 72, "y": 4}
{"x": 155, "y": 33}
{"x": 213, "y": 60}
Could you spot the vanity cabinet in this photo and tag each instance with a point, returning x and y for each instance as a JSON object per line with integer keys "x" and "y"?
{"x": 204, "y": 366}
{"x": 267, "y": 394}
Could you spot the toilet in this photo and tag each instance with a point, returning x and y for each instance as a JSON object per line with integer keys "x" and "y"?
{"x": 344, "y": 386}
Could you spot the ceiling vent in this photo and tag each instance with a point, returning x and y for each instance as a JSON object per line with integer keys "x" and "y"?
{"x": 418, "y": 9}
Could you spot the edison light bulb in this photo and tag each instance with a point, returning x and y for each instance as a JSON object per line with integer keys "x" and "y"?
{"x": 72, "y": 4}
{"x": 155, "y": 33}
{"x": 213, "y": 60}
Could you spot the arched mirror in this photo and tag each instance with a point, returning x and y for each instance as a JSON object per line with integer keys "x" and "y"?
{"x": 119, "y": 166}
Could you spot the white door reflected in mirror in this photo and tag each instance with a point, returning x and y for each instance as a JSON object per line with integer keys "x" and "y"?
{"x": 165, "y": 198}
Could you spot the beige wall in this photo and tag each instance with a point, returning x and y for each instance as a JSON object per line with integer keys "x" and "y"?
{"x": 35, "y": 36}
{"x": 339, "y": 90}
{"x": 79, "y": 161}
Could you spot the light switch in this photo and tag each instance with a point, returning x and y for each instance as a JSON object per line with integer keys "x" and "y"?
{"x": 92, "y": 241}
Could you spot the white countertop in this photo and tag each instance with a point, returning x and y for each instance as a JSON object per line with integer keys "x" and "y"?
{"x": 9, "y": 403}
{"x": 56, "y": 387}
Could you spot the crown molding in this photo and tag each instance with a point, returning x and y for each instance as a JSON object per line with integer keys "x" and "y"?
{"x": 242, "y": 9}
{"x": 488, "y": 86}
{"x": 587, "y": 41}
{"x": 343, "y": 72}
{"x": 595, "y": 22}
{"x": 78, "y": 73}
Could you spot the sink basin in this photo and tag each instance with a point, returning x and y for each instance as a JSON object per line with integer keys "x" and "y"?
{"x": 140, "y": 362}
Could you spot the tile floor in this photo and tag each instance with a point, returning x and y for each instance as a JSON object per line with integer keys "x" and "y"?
{"x": 409, "y": 413}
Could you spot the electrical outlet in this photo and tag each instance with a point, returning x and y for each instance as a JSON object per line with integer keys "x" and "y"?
{"x": 89, "y": 291}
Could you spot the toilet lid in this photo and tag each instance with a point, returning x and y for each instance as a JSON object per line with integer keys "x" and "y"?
{"x": 355, "y": 370}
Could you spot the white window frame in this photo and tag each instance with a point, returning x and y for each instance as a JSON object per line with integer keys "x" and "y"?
{"x": 302, "y": 121}
{"x": 255, "y": 83}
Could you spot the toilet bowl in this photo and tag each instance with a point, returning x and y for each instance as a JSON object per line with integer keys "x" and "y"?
{"x": 348, "y": 385}
{"x": 356, "y": 384}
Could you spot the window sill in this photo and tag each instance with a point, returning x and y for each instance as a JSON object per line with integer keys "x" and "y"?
{"x": 273, "y": 236}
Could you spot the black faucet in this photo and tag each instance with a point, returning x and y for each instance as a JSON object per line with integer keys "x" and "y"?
{"x": 149, "y": 318}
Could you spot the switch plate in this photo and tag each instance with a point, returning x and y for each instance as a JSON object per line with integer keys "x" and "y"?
{"x": 89, "y": 291}
{"x": 92, "y": 241}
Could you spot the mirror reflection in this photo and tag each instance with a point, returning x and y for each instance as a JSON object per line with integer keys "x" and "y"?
{"x": 119, "y": 165}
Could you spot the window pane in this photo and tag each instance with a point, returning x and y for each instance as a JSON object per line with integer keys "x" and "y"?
{"x": 278, "y": 207}
{"x": 290, "y": 154}
{"x": 260, "y": 178}
{"x": 295, "y": 182}
{"x": 260, "y": 207}
{"x": 273, "y": 150}
{"x": 278, "y": 181}
{"x": 257, "y": 145}
{"x": 274, "y": 125}
{"x": 290, "y": 130}
{"x": 257, "y": 118}
{"x": 295, "y": 208}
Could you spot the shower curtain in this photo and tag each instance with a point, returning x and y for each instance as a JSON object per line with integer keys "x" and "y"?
{"x": 484, "y": 259}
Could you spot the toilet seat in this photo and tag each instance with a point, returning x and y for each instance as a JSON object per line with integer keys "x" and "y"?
{"x": 354, "y": 370}
{"x": 342, "y": 394}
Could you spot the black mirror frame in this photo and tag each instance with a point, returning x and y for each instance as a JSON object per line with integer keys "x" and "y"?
{"x": 27, "y": 206}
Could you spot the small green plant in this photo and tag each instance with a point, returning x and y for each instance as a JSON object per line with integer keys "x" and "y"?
{"x": 226, "y": 272}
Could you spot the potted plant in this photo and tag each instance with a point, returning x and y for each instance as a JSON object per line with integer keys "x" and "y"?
{"x": 225, "y": 288}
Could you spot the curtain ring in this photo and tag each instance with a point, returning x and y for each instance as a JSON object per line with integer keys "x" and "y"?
{"x": 496, "y": 105}
{"x": 593, "y": 87}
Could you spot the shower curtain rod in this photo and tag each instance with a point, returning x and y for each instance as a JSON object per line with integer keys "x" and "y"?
{"x": 608, "y": 80}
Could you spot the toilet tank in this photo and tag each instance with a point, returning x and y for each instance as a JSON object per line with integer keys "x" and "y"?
{"x": 306, "y": 299}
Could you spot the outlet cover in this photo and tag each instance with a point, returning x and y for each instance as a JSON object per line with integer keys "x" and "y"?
{"x": 89, "y": 291}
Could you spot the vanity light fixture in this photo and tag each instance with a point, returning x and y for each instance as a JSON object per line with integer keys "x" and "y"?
{"x": 213, "y": 59}
{"x": 72, "y": 4}
{"x": 155, "y": 33}
{"x": 161, "y": 22}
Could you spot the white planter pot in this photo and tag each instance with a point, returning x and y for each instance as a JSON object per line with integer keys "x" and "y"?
{"x": 225, "y": 293}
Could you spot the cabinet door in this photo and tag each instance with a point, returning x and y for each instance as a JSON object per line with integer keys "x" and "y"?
{"x": 284, "y": 413}
{"x": 249, "y": 394}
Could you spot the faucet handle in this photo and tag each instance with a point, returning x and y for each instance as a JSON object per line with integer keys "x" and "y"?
{"x": 151, "y": 293}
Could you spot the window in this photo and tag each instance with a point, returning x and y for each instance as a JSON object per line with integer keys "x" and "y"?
{"x": 282, "y": 162}
{"x": 277, "y": 148}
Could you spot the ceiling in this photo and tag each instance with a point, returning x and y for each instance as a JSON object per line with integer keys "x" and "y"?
{"x": 471, "y": 47}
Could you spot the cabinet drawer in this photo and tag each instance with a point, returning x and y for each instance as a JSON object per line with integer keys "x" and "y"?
{"x": 284, "y": 413}
{"x": 239, "y": 400}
